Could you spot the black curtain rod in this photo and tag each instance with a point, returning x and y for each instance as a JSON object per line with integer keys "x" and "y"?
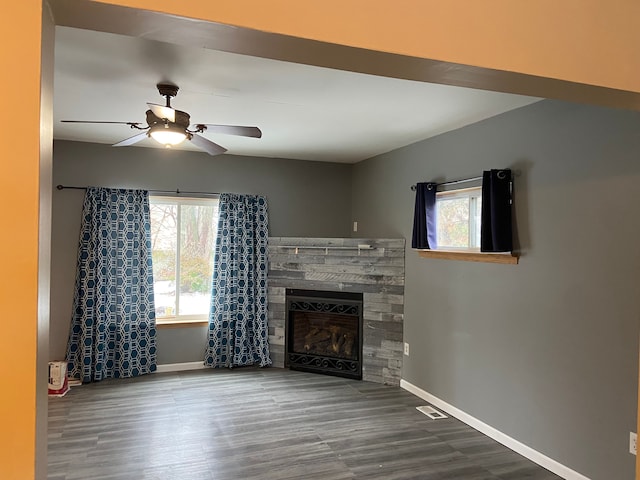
{"x": 161, "y": 192}
{"x": 453, "y": 182}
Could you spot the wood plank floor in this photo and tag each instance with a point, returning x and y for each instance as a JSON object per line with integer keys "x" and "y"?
{"x": 264, "y": 424}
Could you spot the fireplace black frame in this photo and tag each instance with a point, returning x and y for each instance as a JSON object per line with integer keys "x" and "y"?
{"x": 343, "y": 303}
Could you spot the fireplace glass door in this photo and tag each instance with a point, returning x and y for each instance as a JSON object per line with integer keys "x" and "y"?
{"x": 324, "y": 332}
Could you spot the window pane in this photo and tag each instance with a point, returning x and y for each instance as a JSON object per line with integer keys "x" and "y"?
{"x": 453, "y": 222}
{"x": 163, "y": 250}
{"x": 197, "y": 240}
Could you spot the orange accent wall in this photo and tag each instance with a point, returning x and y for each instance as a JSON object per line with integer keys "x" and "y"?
{"x": 586, "y": 41}
{"x": 19, "y": 164}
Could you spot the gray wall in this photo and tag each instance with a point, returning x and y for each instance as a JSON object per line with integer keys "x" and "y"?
{"x": 305, "y": 199}
{"x": 545, "y": 351}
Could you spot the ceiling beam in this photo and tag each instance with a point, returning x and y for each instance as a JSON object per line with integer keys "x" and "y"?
{"x": 201, "y": 34}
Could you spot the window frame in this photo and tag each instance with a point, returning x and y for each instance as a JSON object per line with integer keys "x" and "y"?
{"x": 159, "y": 199}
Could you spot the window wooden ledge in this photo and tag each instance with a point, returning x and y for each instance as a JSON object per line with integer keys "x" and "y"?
{"x": 181, "y": 324}
{"x": 505, "y": 258}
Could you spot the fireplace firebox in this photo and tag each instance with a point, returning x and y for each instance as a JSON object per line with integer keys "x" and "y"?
{"x": 323, "y": 332}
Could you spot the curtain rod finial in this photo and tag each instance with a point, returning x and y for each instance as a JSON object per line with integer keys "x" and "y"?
{"x": 59, "y": 187}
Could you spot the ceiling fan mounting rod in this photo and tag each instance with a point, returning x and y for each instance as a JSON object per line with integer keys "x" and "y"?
{"x": 167, "y": 91}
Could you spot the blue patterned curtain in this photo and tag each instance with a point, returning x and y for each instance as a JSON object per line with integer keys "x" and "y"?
{"x": 238, "y": 320}
{"x": 113, "y": 329}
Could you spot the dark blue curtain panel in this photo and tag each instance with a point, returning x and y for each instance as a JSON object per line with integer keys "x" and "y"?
{"x": 424, "y": 217}
{"x": 496, "y": 233}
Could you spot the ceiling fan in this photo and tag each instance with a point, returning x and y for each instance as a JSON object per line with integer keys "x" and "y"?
{"x": 170, "y": 127}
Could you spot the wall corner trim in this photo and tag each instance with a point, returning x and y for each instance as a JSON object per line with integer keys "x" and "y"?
{"x": 180, "y": 367}
{"x": 518, "y": 447}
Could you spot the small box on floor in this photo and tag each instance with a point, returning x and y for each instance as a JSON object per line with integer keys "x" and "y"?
{"x": 58, "y": 383}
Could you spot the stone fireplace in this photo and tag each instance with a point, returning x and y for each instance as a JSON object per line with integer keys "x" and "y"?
{"x": 323, "y": 332}
{"x": 372, "y": 268}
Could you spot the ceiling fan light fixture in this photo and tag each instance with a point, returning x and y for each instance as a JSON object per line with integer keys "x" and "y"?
{"x": 167, "y": 135}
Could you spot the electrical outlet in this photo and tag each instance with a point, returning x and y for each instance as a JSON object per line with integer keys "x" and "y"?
{"x": 355, "y": 226}
{"x": 633, "y": 443}
{"x": 406, "y": 348}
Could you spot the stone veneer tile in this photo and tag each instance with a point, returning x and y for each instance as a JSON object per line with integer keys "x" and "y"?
{"x": 378, "y": 273}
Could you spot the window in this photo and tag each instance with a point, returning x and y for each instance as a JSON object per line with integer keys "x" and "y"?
{"x": 458, "y": 215}
{"x": 183, "y": 233}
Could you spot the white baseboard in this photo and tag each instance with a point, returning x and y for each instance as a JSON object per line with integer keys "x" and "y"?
{"x": 518, "y": 447}
{"x": 179, "y": 367}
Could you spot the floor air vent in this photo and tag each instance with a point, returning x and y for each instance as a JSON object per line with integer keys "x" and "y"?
{"x": 431, "y": 412}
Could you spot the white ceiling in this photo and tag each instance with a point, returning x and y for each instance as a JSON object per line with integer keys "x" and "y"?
{"x": 305, "y": 112}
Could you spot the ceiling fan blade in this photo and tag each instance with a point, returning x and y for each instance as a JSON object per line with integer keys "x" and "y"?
{"x": 131, "y": 140}
{"x": 207, "y": 145}
{"x": 99, "y": 121}
{"x": 161, "y": 111}
{"x": 234, "y": 130}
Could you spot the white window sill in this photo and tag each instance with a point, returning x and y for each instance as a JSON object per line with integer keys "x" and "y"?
{"x": 471, "y": 256}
